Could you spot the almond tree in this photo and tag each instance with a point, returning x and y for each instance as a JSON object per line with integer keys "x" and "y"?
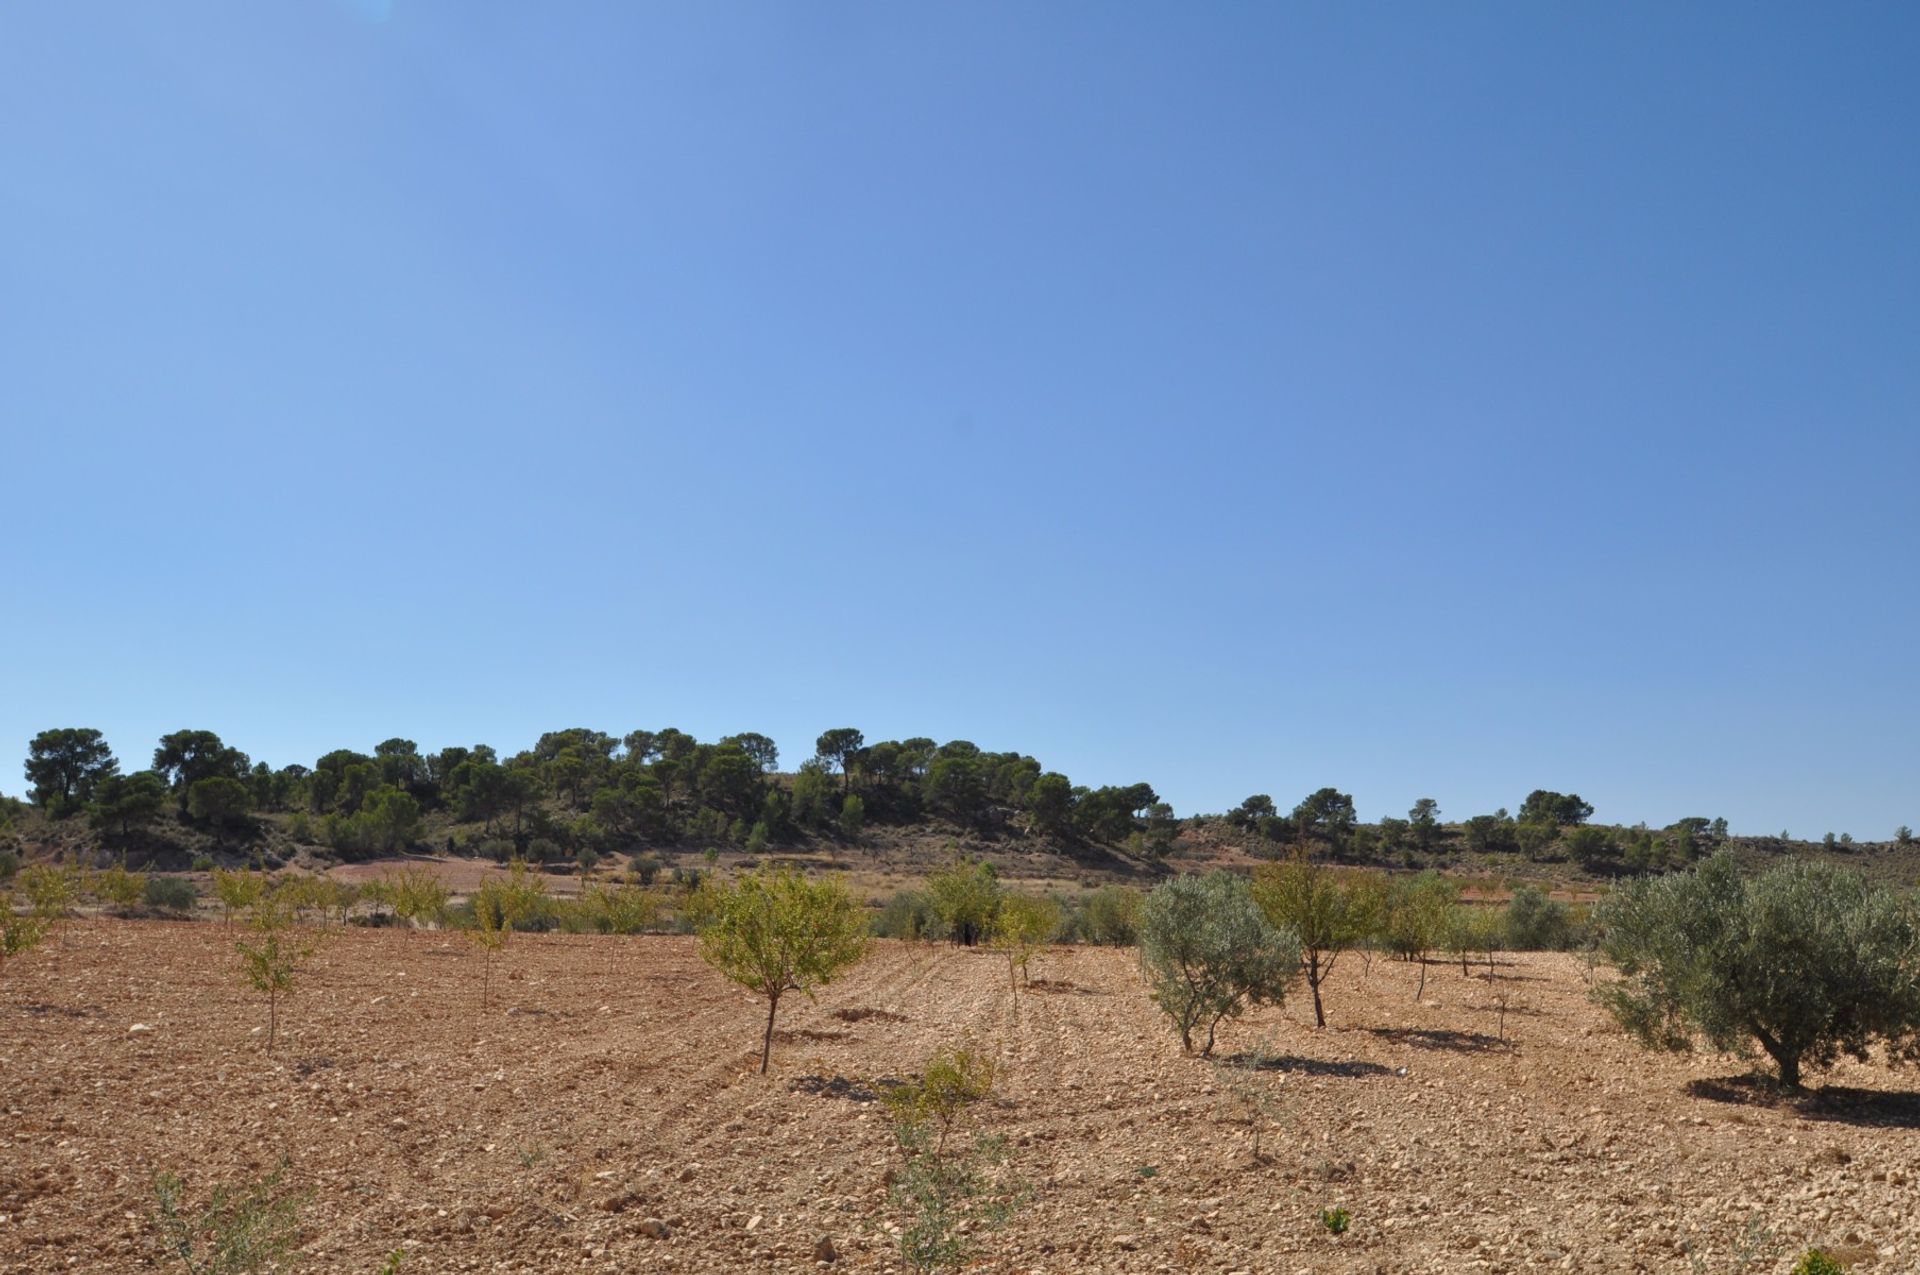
{"x": 773, "y": 932}
{"x": 1305, "y": 899}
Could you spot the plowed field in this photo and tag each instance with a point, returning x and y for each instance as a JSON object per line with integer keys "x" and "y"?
{"x": 604, "y": 1114}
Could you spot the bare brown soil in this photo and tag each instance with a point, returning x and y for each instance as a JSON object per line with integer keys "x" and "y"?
{"x": 610, "y": 1092}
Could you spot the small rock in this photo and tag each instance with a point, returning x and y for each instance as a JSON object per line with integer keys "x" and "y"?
{"x": 654, "y": 1227}
{"x": 824, "y": 1251}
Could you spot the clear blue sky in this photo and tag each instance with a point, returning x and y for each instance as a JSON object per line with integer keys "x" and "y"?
{"x": 1438, "y": 400}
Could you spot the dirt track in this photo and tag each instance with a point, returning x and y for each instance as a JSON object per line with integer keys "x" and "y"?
{"x": 541, "y": 1134}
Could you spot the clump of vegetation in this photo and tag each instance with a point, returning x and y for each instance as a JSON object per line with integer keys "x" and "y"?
{"x": 966, "y": 897}
{"x": 1808, "y": 960}
{"x": 1305, "y": 899}
{"x": 171, "y": 894}
{"x": 1336, "y": 1220}
{"x": 50, "y": 892}
{"x": 910, "y": 915}
{"x": 500, "y": 906}
{"x": 118, "y": 888}
{"x": 270, "y": 962}
{"x": 1415, "y": 917}
{"x": 952, "y": 1194}
{"x": 1209, "y": 953}
{"x": 237, "y": 891}
{"x": 1536, "y": 923}
{"x": 1111, "y": 916}
{"x": 1817, "y": 1261}
{"x": 417, "y": 896}
{"x": 775, "y": 932}
{"x": 19, "y": 933}
{"x": 236, "y": 1232}
{"x": 619, "y": 909}
{"x": 1023, "y": 925}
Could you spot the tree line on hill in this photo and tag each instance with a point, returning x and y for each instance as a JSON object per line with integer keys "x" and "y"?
{"x": 582, "y": 793}
{"x": 581, "y": 789}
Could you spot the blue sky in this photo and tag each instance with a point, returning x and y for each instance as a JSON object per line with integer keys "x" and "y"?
{"x": 1426, "y": 400}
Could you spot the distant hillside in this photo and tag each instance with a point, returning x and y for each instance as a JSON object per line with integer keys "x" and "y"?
{"x": 581, "y": 797}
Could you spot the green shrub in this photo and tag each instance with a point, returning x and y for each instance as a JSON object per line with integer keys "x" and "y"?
{"x": 172, "y": 894}
{"x": 1209, "y": 953}
{"x": 1111, "y": 916}
{"x": 1336, "y": 1220}
{"x": 1817, "y": 1261}
{"x": 237, "y": 1232}
{"x": 1809, "y": 960}
{"x": 1536, "y": 923}
{"x": 909, "y": 914}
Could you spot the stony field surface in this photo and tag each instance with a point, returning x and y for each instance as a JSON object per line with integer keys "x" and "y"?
{"x": 604, "y": 1115}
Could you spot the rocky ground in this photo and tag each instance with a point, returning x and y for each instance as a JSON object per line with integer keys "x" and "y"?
{"x": 604, "y": 1114}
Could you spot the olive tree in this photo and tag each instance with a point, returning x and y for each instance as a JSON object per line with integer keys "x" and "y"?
{"x": 1808, "y": 960}
{"x": 1208, "y": 953}
{"x": 773, "y": 932}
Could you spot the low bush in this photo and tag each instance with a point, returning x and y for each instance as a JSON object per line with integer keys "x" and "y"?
{"x": 171, "y": 894}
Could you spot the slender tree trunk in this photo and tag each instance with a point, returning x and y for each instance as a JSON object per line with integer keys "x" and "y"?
{"x": 1422, "y": 990}
{"x": 273, "y": 1016}
{"x": 1314, "y": 975}
{"x": 766, "y": 1042}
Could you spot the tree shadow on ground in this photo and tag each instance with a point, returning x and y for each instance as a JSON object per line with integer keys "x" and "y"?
{"x": 1431, "y": 1038}
{"x": 42, "y": 1010}
{"x": 861, "y": 1014}
{"x": 787, "y": 1037}
{"x": 1350, "y": 1070}
{"x": 1061, "y": 987}
{"x": 838, "y": 1087}
{"x": 1838, "y": 1104}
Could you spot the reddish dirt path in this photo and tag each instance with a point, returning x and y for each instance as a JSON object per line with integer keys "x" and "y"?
{"x": 539, "y": 1134}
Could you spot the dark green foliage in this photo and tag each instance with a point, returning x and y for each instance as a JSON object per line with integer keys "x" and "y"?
{"x": 1592, "y": 848}
{"x": 1809, "y": 961}
{"x": 1327, "y": 814}
{"x": 65, "y": 766}
{"x": 1111, "y": 916}
{"x": 172, "y": 894}
{"x": 1536, "y": 923}
{"x": 1559, "y": 808}
{"x": 1336, "y": 1221}
{"x": 1817, "y": 1261}
{"x": 123, "y": 805}
{"x": 221, "y": 802}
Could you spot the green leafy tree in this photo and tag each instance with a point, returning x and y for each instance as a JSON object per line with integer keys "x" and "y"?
{"x": 1305, "y": 899}
{"x": 839, "y": 748}
{"x": 760, "y": 749}
{"x": 1209, "y": 953}
{"x": 1423, "y": 820}
{"x": 123, "y": 805}
{"x": 1327, "y": 814}
{"x": 853, "y": 817}
{"x": 1593, "y": 848}
{"x": 187, "y": 756}
{"x": 773, "y": 932}
{"x": 65, "y": 766}
{"x": 1415, "y": 917}
{"x": 966, "y": 897}
{"x": 1536, "y": 923}
{"x": 1111, "y": 916}
{"x": 1564, "y": 809}
{"x": 1023, "y": 925}
{"x": 270, "y": 963}
{"x": 1049, "y": 805}
{"x": 1808, "y": 960}
{"x": 222, "y": 803}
